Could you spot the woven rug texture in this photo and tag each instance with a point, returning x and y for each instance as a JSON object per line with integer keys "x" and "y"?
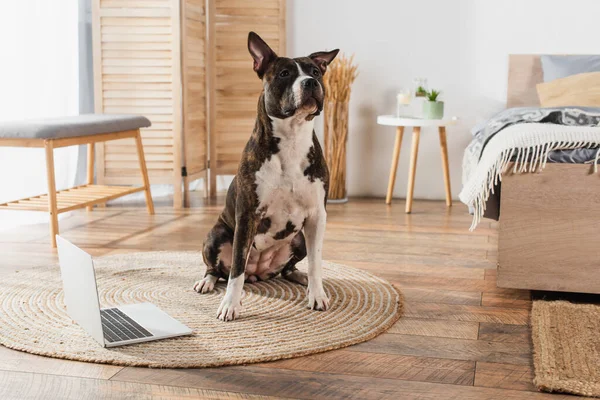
{"x": 274, "y": 324}
{"x": 566, "y": 344}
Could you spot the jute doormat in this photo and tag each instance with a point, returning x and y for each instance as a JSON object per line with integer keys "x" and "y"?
{"x": 566, "y": 345}
{"x": 274, "y": 323}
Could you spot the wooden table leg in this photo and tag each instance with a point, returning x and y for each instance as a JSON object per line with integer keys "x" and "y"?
{"x": 52, "y": 206}
{"x": 413, "y": 168}
{"x": 395, "y": 157}
{"x": 444, "y": 149}
{"x": 90, "y": 168}
{"x": 144, "y": 170}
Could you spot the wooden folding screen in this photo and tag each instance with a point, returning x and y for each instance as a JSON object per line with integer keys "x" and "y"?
{"x": 233, "y": 82}
{"x": 193, "y": 48}
{"x": 149, "y": 59}
{"x": 171, "y": 61}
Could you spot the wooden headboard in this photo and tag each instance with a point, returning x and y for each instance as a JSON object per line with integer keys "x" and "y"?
{"x": 524, "y": 72}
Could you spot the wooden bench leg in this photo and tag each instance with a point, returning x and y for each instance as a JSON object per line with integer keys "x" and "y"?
{"x": 178, "y": 194}
{"x": 52, "y": 207}
{"x": 90, "y": 168}
{"x": 144, "y": 170}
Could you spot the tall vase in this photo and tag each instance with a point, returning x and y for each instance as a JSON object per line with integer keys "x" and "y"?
{"x": 335, "y": 135}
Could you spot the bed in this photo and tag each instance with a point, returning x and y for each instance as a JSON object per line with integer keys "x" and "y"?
{"x": 546, "y": 195}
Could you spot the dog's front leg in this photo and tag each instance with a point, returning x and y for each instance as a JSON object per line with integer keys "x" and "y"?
{"x": 231, "y": 305}
{"x": 314, "y": 230}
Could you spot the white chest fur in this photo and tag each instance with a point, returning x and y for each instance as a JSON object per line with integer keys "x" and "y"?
{"x": 285, "y": 194}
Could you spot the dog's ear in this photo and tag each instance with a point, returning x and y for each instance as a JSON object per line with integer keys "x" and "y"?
{"x": 261, "y": 53}
{"x": 324, "y": 58}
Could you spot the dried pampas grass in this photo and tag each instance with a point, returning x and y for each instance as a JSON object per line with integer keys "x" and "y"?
{"x": 338, "y": 80}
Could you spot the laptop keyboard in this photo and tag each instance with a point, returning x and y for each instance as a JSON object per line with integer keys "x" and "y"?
{"x": 117, "y": 326}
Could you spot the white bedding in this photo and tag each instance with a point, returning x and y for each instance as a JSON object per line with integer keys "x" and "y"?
{"x": 528, "y": 144}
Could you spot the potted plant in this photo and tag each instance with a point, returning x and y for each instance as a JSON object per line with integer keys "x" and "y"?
{"x": 420, "y": 92}
{"x": 432, "y": 108}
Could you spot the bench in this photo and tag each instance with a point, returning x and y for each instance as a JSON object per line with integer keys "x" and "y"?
{"x": 70, "y": 131}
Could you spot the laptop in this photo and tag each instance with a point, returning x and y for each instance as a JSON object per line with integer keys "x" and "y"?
{"x": 115, "y": 326}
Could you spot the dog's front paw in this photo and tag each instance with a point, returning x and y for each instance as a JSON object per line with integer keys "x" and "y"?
{"x": 317, "y": 299}
{"x": 205, "y": 285}
{"x": 229, "y": 309}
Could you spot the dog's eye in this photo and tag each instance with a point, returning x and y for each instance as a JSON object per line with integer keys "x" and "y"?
{"x": 316, "y": 71}
{"x": 284, "y": 73}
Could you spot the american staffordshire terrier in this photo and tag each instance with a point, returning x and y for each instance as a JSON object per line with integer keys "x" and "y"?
{"x": 280, "y": 189}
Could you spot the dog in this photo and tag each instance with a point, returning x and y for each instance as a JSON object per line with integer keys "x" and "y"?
{"x": 275, "y": 210}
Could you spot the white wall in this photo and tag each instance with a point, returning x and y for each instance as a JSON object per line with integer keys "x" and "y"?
{"x": 39, "y": 79}
{"x": 461, "y": 46}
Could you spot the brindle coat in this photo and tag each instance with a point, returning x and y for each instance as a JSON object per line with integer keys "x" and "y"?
{"x": 282, "y": 172}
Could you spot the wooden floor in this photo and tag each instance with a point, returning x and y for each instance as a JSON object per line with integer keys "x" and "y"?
{"x": 461, "y": 337}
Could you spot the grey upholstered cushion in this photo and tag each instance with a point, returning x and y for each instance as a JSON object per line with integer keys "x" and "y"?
{"x": 556, "y": 67}
{"x": 80, "y": 125}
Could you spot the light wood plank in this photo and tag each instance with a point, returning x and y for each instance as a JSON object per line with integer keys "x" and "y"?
{"x": 505, "y": 376}
{"x": 425, "y": 295}
{"x": 409, "y": 269}
{"x": 21, "y": 385}
{"x": 307, "y": 385}
{"x": 390, "y": 366}
{"x": 507, "y": 300}
{"x": 504, "y": 333}
{"x": 18, "y": 361}
{"x": 455, "y": 349}
{"x": 453, "y": 284}
{"x": 426, "y": 327}
{"x": 459, "y": 312}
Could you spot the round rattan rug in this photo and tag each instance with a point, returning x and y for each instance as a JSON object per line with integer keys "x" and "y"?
{"x": 274, "y": 322}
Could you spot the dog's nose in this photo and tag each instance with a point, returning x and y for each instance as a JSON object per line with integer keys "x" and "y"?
{"x": 310, "y": 83}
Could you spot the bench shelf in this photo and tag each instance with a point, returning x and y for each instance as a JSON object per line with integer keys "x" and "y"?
{"x": 73, "y": 198}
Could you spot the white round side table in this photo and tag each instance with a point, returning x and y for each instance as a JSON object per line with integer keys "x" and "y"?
{"x": 416, "y": 123}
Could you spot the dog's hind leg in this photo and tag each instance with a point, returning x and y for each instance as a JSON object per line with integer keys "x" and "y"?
{"x": 217, "y": 257}
{"x": 298, "y": 250}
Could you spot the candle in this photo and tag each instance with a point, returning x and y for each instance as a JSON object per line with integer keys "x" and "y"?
{"x": 403, "y": 98}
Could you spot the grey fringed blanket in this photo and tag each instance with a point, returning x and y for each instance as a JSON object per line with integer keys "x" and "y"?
{"x": 525, "y": 136}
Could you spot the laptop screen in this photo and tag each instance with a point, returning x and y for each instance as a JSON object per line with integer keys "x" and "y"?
{"x": 79, "y": 284}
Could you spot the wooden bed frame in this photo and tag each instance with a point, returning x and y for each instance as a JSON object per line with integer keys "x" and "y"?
{"x": 549, "y": 222}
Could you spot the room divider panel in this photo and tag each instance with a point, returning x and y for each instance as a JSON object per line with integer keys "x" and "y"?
{"x": 149, "y": 59}
{"x": 177, "y": 62}
{"x": 232, "y": 110}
